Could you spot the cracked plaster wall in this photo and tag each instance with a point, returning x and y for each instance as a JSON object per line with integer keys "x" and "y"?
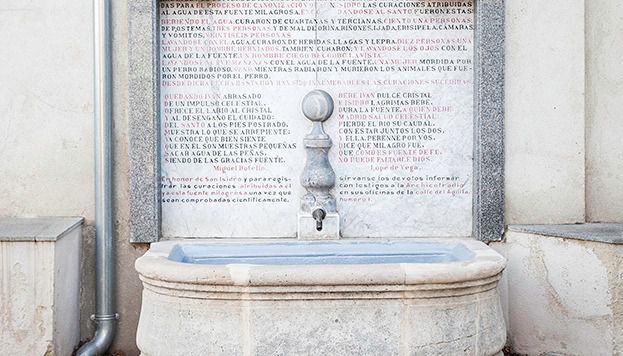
{"x": 562, "y": 296}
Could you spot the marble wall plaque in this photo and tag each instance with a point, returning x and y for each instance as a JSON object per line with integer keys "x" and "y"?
{"x": 233, "y": 74}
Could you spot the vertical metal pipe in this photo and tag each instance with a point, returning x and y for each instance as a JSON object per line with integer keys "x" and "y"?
{"x": 105, "y": 316}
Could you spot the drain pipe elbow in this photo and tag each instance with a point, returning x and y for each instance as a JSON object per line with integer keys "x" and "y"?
{"x": 101, "y": 340}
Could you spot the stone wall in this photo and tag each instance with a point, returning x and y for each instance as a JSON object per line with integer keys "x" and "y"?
{"x": 563, "y": 295}
{"x": 46, "y": 106}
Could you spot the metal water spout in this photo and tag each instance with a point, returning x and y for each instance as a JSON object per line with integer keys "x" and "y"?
{"x": 319, "y": 215}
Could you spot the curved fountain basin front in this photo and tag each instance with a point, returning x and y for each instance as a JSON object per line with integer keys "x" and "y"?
{"x": 348, "y": 297}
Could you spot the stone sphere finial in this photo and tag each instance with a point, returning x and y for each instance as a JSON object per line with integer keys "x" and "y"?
{"x": 317, "y": 105}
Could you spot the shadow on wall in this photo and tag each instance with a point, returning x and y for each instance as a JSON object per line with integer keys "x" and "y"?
{"x": 127, "y": 299}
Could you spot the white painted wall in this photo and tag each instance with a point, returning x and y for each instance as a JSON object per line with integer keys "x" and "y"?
{"x": 46, "y": 108}
{"x": 560, "y": 295}
{"x": 563, "y": 296}
{"x": 604, "y": 95}
{"x": 544, "y": 111}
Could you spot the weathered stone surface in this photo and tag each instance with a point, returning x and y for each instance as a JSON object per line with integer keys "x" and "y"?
{"x": 213, "y": 324}
{"x": 307, "y": 227}
{"x": 563, "y": 295}
{"x": 37, "y": 229}
{"x": 607, "y": 233}
{"x": 39, "y": 285}
{"x": 443, "y": 308}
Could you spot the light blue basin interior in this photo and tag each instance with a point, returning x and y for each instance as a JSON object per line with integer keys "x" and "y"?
{"x": 316, "y": 253}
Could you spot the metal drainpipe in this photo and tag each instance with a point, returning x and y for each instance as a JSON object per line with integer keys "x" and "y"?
{"x": 105, "y": 316}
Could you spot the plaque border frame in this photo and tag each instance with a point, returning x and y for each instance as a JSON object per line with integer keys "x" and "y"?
{"x": 144, "y": 121}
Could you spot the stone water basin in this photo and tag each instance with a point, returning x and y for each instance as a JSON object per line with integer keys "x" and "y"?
{"x": 346, "y": 297}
